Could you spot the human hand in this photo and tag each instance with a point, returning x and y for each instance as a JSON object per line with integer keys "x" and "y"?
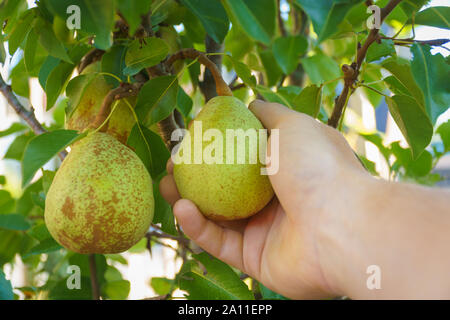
{"x": 280, "y": 246}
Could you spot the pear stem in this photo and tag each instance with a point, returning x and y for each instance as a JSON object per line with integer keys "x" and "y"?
{"x": 221, "y": 86}
{"x": 123, "y": 91}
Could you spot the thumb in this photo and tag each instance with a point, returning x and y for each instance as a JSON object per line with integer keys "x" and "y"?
{"x": 270, "y": 113}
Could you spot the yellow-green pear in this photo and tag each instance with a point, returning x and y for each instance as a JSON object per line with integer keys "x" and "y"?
{"x": 101, "y": 199}
{"x": 122, "y": 119}
{"x": 226, "y": 191}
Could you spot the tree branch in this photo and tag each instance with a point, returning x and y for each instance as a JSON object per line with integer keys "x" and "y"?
{"x": 91, "y": 57}
{"x": 123, "y": 91}
{"x": 93, "y": 275}
{"x": 352, "y": 73}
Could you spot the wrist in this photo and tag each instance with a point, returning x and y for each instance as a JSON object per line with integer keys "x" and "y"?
{"x": 340, "y": 226}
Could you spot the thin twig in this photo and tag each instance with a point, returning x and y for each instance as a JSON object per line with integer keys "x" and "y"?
{"x": 351, "y": 72}
{"x": 94, "y": 280}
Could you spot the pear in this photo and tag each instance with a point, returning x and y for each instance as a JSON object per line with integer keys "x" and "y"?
{"x": 226, "y": 191}
{"x": 101, "y": 199}
{"x": 121, "y": 121}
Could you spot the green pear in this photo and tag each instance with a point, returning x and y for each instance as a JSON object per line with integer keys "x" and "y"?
{"x": 122, "y": 119}
{"x": 226, "y": 191}
{"x": 101, "y": 199}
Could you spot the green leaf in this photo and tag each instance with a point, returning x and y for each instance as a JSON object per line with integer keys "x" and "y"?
{"x": 163, "y": 210}
{"x": 45, "y": 246}
{"x": 2, "y": 180}
{"x": 243, "y": 72}
{"x": 39, "y": 232}
{"x": 61, "y": 292}
{"x": 321, "y": 68}
{"x": 271, "y": 96}
{"x": 49, "y": 64}
{"x": 255, "y": 17}
{"x": 432, "y": 74}
{"x": 438, "y": 17}
{"x": 7, "y": 203}
{"x": 6, "y": 290}
{"x": 401, "y": 70}
{"x": 444, "y": 132}
{"x": 132, "y": 11}
{"x": 412, "y": 121}
{"x": 377, "y": 140}
{"x": 371, "y": 73}
{"x": 14, "y": 222}
{"x": 15, "y": 127}
{"x": 326, "y": 15}
{"x": 44, "y": 147}
{"x": 97, "y": 18}
{"x": 117, "y": 290}
{"x": 212, "y": 16}
{"x": 238, "y": 43}
{"x": 17, "y": 147}
{"x": 57, "y": 81}
{"x": 309, "y": 100}
{"x": 184, "y": 102}
{"x": 272, "y": 70}
{"x": 287, "y": 51}
{"x": 144, "y": 53}
{"x": 113, "y": 62}
{"x": 157, "y": 99}
{"x": 220, "y": 282}
{"x": 20, "y": 31}
{"x": 150, "y": 148}
{"x": 34, "y": 54}
{"x": 49, "y": 41}
{"x": 75, "y": 90}
{"x": 161, "y": 286}
{"x": 379, "y": 50}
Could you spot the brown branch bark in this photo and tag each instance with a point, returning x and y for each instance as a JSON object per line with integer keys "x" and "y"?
{"x": 93, "y": 275}
{"x": 27, "y": 115}
{"x": 221, "y": 86}
{"x": 123, "y": 91}
{"x": 91, "y": 57}
{"x": 351, "y": 77}
{"x": 280, "y": 20}
{"x": 208, "y": 86}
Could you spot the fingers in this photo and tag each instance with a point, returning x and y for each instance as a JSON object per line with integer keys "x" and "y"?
{"x": 270, "y": 113}
{"x": 168, "y": 189}
{"x": 225, "y": 244}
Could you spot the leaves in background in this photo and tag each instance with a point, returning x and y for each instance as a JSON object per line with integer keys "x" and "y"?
{"x": 438, "y": 17}
{"x": 163, "y": 210}
{"x": 272, "y": 70}
{"x": 431, "y": 72}
{"x": 157, "y": 99}
{"x": 321, "y": 68}
{"x": 6, "y": 290}
{"x": 326, "y": 15}
{"x": 220, "y": 281}
{"x": 14, "y": 222}
{"x": 144, "y": 53}
{"x": 44, "y": 147}
{"x": 287, "y": 51}
{"x": 309, "y": 100}
{"x": 444, "y": 132}
{"x": 97, "y": 18}
{"x": 132, "y": 11}
{"x": 113, "y": 62}
{"x": 412, "y": 121}
{"x": 379, "y": 50}
{"x": 15, "y": 127}
{"x": 212, "y": 15}
{"x": 150, "y": 148}
{"x": 49, "y": 41}
{"x": 184, "y": 102}
{"x": 255, "y": 17}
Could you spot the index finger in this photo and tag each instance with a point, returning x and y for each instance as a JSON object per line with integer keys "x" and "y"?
{"x": 270, "y": 113}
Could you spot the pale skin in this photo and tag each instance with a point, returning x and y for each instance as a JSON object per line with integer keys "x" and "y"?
{"x": 329, "y": 221}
